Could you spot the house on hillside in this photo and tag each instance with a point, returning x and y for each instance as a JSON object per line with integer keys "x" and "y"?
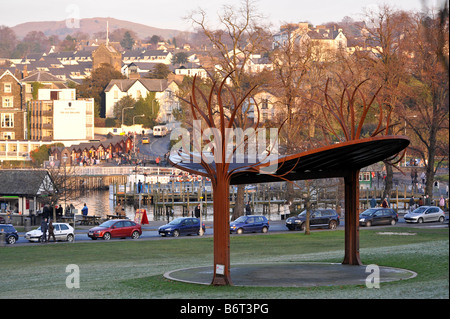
{"x": 45, "y": 80}
{"x": 325, "y": 41}
{"x": 165, "y": 94}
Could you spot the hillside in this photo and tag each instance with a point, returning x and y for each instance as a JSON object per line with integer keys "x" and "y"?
{"x": 91, "y": 26}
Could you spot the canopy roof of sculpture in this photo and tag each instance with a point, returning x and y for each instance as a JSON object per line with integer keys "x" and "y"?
{"x": 325, "y": 162}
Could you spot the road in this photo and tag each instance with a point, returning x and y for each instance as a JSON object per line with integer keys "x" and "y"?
{"x": 158, "y": 146}
{"x": 150, "y": 232}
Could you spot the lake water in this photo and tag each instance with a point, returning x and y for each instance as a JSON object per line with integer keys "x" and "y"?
{"x": 100, "y": 204}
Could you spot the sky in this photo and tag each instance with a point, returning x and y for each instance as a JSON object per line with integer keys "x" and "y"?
{"x": 168, "y": 14}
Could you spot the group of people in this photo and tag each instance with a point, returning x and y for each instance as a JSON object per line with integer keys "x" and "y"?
{"x": 426, "y": 200}
{"x": 47, "y": 225}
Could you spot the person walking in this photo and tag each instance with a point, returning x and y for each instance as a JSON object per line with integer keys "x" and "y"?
{"x": 44, "y": 229}
{"x": 442, "y": 202}
{"x": 197, "y": 211}
{"x": 84, "y": 210}
{"x": 412, "y": 204}
{"x": 373, "y": 202}
{"x": 248, "y": 209}
{"x": 51, "y": 229}
{"x": 139, "y": 187}
{"x": 385, "y": 203}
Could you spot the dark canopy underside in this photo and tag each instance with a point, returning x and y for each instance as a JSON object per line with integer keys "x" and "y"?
{"x": 325, "y": 162}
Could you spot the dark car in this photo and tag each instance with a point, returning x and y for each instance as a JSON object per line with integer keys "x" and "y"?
{"x": 119, "y": 228}
{"x": 378, "y": 216}
{"x": 2, "y": 220}
{"x": 249, "y": 224}
{"x": 9, "y": 233}
{"x": 318, "y": 218}
{"x": 182, "y": 226}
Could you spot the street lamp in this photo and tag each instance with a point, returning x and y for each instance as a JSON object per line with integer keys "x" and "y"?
{"x": 134, "y": 132}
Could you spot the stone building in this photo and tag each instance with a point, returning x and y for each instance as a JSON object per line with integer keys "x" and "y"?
{"x": 12, "y": 108}
{"x": 106, "y": 54}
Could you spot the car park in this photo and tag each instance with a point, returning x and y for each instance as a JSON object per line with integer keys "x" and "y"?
{"x": 378, "y": 216}
{"x": 181, "y": 226}
{"x": 424, "y": 214}
{"x": 62, "y": 231}
{"x": 327, "y": 218}
{"x": 249, "y": 224}
{"x": 9, "y": 233}
{"x": 116, "y": 228}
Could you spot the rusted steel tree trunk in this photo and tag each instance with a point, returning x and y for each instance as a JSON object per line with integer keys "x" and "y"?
{"x": 351, "y": 182}
{"x": 221, "y": 204}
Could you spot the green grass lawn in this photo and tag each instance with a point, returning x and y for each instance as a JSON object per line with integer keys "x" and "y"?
{"x": 134, "y": 269}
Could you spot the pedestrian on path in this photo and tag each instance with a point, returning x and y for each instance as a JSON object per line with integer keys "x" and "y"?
{"x": 44, "y": 229}
{"x": 51, "y": 229}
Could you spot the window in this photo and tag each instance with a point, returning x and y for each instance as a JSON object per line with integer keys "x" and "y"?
{"x": 7, "y": 120}
{"x": 7, "y": 88}
{"x": 7, "y": 101}
{"x": 8, "y": 136}
{"x": 264, "y": 104}
{"x": 364, "y": 176}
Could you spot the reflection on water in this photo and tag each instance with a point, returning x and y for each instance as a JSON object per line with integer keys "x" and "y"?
{"x": 99, "y": 204}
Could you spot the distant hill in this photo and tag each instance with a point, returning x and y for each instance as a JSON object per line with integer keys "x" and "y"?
{"x": 91, "y": 26}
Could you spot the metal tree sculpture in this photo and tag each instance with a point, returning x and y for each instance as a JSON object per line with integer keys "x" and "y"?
{"x": 222, "y": 159}
{"x": 345, "y": 114}
{"x": 225, "y": 163}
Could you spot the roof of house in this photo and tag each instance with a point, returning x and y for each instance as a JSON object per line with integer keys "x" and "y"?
{"x": 153, "y": 85}
{"x": 42, "y": 77}
{"x": 23, "y": 182}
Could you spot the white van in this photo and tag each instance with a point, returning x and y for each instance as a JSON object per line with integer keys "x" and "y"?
{"x": 160, "y": 130}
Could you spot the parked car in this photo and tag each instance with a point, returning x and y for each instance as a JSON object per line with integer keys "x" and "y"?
{"x": 378, "y": 216}
{"x": 328, "y": 218}
{"x": 2, "y": 220}
{"x": 10, "y": 233}
{"x": 62, "y": 231}
{"x": 182, "y": 226}
{"x": 145, "y": 140}
{"x": 119, "y": 228}
{"x": 249, "y": 224}
{"x": 425, "y": 214}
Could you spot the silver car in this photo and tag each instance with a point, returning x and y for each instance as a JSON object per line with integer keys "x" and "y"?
{"x": 62, "y": 231}
{"x": 425, "y": 214}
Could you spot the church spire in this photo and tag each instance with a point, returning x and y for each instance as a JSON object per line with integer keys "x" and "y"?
{"x": 107, "y": 32}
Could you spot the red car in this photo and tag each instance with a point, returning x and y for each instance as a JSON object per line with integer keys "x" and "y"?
{"x": 120, "y": 228}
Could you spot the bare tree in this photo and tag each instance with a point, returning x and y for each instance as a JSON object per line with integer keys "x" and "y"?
{"x": 386, "y": 34}
{"x": 425, "y": 104}
{"x": 240, "y": 34}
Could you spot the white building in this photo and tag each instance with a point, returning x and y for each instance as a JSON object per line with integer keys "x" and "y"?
{"x": 165, "y": 94}
{"x": 58, "y": 116}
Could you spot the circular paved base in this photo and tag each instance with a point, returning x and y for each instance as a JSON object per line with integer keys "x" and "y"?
{"x": 292, "y": 274}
